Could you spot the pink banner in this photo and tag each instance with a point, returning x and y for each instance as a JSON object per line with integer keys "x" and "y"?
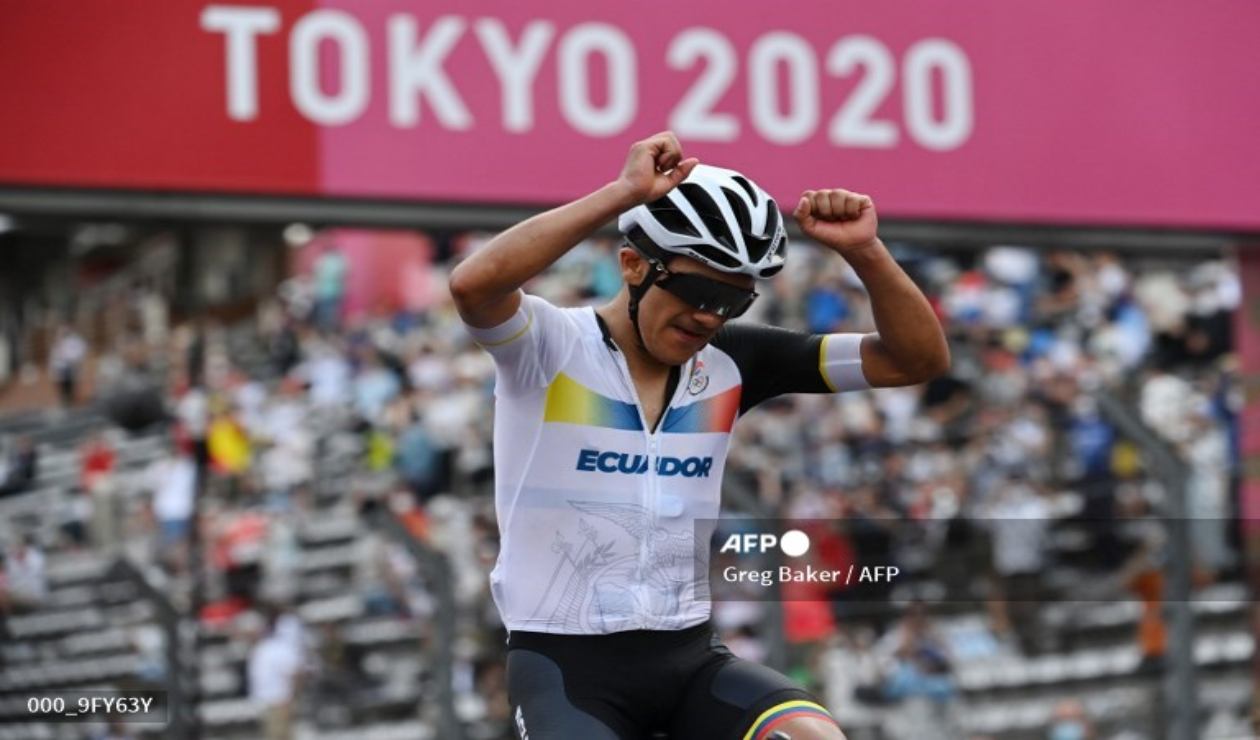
{"x": 385, "y": 271}
{"x": 1124, "y": 112}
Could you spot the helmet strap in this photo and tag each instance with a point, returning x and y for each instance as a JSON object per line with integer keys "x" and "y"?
{"x": 655, "y": 259}
{"x": 636, "y": 294}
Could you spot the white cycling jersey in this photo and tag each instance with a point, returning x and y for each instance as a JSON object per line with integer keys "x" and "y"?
{"x": 597, "y": 512}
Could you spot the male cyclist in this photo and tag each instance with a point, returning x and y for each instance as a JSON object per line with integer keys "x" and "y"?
{"x": 611, "y": 432}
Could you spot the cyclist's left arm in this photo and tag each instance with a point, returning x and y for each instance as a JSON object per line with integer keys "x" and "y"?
{"x": 774, "y": 361}
{"x": 908, "y": 346}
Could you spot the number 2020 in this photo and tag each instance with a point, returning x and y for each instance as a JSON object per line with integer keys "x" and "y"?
{"x": 854, "y": 124}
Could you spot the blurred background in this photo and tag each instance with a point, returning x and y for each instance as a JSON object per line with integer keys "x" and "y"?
{"x": 245, "y": 442}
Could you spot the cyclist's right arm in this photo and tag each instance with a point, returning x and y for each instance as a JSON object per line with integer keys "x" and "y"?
{"x": 486, "y": 286}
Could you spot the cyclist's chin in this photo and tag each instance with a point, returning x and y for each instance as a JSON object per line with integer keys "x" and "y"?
{"x": 671, "y": 348}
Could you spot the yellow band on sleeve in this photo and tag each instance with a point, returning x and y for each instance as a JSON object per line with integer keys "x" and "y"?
{"x": 822, "y": 363}
{"x": 840, "y": 362}
{"x": 505, "y": 333}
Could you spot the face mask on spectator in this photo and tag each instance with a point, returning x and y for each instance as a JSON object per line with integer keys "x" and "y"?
{"x": 1068, "y": 730}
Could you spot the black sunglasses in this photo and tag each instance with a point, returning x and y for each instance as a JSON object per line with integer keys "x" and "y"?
{"x": 724, "y": 300}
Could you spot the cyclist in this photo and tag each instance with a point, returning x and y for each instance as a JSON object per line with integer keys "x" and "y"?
{"x": 611, "y": 431}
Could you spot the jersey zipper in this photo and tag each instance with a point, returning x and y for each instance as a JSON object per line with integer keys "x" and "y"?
{"x": 650, "y": 492}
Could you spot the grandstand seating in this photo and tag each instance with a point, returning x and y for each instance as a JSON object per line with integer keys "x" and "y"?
{"x": 88, "y": 632}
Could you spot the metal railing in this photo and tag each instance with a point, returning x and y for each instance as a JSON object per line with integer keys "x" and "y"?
{"x": 182, "y": 714}
{"x": 1180, "y": 685}
{"x": 437, "y": 569}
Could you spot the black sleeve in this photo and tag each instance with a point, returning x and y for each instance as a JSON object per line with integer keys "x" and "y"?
{"x": 772, "y": 361}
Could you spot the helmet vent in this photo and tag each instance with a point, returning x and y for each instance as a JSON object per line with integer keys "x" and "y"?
{"x": 748, "y": 188}
{"x": 771, "y": 271}
{"x": 716, "y": 256}
{"x": 645, "y": 246}
{"x": 674, "y": 220}
{"x": 740, "y": 209}
{"x": 708, "y": 210}
{"x": 759, "y": 246}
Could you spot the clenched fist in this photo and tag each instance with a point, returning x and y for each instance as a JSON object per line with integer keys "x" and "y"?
{"x": 654, "y": 167}
{"x": 839, "y": 219}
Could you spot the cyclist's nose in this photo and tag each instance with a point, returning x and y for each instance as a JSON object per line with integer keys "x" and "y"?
{"x": 707, "y": 319}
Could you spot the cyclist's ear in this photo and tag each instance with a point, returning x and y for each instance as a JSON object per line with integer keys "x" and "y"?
{"x": 633, "y": 267}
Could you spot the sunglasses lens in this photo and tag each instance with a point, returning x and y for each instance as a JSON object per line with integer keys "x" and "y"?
{"x": 725, "y": 301}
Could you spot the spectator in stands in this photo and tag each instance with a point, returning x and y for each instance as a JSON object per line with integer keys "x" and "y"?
{"x": 1206, "y": 451}
{"x": 153, "y": 310}
{"x": 920, "y": 655}
{"x": 337, "y": 674}
{"x": 1070, "y": 722}
{"x": 97, "y": 460}
{"x": 247, "y": 396}
{"x": 275, "y": 676}
{"x": 1185, "y": 417}
{"x": 281, "y": 557}
{"x": 68, "y": 352}
{"x": 230, "y": 451}
{"x": 327, "y": 372}
{"x": 26, "y": 577}
{"x": 191, "y": 342}
{"x": 920, "y": 675}
{"x": 149, "y": 642}
{"x": 1019, "y": 522}
{"x": 1143, "y": 574}
{"x": 375, "y": 576}
{"x": 375, "y": 386}
{"x": 491, "y": 682}
{"x": 239, "y": 543}
{"x": 417, "y": 459}
{"x": 851, "y": 674}
{"x": 403, "y": 504}
{"x": 19, "y": 467}
{"x": 428, "y": 370}
{"x": 826, "y": 307}
{"x": 228, "y": 441}
{"x": 192, "y": 414}
{"x": 746, "y": 643}
{"x": 279, "y": 333}
{"x": 287, "y": 456}
{"x": 605, "y": 272}
{"x": 172, "y": 479}
{"x": 870, "y": 525}
{"x": 1214, "y": 294}
{"x": 331, "y": 272}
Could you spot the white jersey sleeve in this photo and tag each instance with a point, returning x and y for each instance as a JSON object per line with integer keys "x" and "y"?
{"x": 531, "y": 347}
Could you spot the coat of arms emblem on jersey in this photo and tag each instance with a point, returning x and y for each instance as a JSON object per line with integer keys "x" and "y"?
{"x": 699, "y": 379}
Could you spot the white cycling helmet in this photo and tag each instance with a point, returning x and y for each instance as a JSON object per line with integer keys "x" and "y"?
{"x": 715, "y": 216}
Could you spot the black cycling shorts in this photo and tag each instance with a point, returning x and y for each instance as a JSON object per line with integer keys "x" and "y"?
{"x": 633, "y": 685}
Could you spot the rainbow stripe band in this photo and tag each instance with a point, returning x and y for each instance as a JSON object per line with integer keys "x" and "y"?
{"x": 715, "y": 414}
{"x": 570, "y": 402}
{"x": 780, "y": 713}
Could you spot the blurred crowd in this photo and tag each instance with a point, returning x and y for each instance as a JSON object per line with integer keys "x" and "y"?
{"x": 977, "y": 464}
